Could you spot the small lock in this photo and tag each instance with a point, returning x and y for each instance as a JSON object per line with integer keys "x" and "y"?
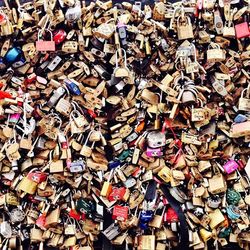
{"x": 230, "y": 166}
{"x": 77, "y": 166}
{"x": 57, "y": 94}
{"x": 63, "y": 107}
{"x": 121, "y": 71}
{"x": 215, "y": 53}
{"x": 70, "y": 47}
{"x": 73, "y": 13}
{"x": 112, "y": 231}
{"x": 244, "y": 101}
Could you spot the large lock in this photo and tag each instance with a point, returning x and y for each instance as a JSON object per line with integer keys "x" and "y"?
{"x": 105, "y": 30}
{"x": 42, "y": 45}
{"x": 184, "y": 28}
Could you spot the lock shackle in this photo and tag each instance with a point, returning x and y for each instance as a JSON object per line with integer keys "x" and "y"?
{"x": 77, "y": 106}
{"x": 186, "y": 21}
{"x": 74, "y": 111}
{"x": 116, "y": 57}
{"x": 179, "y": 65}
{"x": 41, "y": 35}
{"x": 59, "y": 120}
{"x": 173, "y": 17}
{"x": 87, "y": 139}
{"x": 180, "y": 78}
{"x": 247, "y": 90}
{"x": 213, "y": 46}
{"x": 201, "y": 102}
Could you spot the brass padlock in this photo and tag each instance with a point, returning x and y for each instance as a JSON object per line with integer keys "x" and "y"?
{"x": 28, "y": 186}
{"x": 244, "y": 102}
{"x": 215, "y": 53}
{"x": 184, "y": 28}
{"x": 70, "y": 47}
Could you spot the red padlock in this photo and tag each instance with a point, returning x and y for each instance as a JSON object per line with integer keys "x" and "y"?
{"x": 170, "y": 216}
{"x": 117, "y": 194}
{"x": 31, "y": 78}
{"x": 59, "y": 36}
{"x": 37, "y": 177}
{"x": 242, "y": 30}
{"x": 120, "y": 213}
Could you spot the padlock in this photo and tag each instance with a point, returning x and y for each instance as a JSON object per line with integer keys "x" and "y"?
{"x": 229, "y": 30}
{"x": 242, "y": 30}
{"x": 42, "y": 45}
{"x": 121, "y": 71}
{"x": 111, "y": 232}
{"x": 59, "y": 36}
{"x": 189, "y": 94}
{"x": 27, "y": 185}
{"x": 70, "y": 227}
{"x": 63, "y": 106}
{"x": 230, "y": 166}
{"x": 13, "y": 54}
{"x": 217, "y": 184}
{"x": 86, "y": 150}
{"x": 184, "y": 28}
{"x": 215, "y": 53}
{"x": 156, "y": 139}
{"x": 157, "y": 219}
{"x": 146, "y": 242}
{"x": 70, "y": 47}
{"x": 25, "y": 143}
{"x": 198, "y": 114}
{"x": 244, "y": 102}
{"x": 120, "y": 213}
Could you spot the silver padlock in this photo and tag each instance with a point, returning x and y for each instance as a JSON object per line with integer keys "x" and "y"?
{"x": 156, "y": 139}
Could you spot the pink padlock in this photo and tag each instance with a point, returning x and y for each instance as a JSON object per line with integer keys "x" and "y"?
{"x": 230, "y": 166}
{"x": 152, "y": 152}
{"x": 242, "y": 30}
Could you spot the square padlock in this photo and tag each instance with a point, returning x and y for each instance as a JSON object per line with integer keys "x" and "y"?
{"x": 242, "y": 30}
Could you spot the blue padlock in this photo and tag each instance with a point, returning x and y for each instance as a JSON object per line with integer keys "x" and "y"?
{"x": 19, "y": 63}
{"x": 240, "y": 118}
{"x": 114, "y": 164}
{"x": 145, "y": 217}
{"x": 73, "y": 88}
{"x": 12, "y": 55}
